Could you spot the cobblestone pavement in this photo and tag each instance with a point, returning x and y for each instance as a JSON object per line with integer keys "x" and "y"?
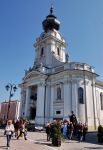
{"x": 37, "y": 141}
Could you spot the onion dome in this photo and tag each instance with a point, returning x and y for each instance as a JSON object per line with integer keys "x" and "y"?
{"x": 51, "y": 22}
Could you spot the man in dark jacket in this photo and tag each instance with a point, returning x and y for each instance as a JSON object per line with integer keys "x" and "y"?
{"x": 73, "y": 118}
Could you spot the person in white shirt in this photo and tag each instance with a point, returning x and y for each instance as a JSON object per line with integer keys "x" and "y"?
{"x": 9, "y": 131}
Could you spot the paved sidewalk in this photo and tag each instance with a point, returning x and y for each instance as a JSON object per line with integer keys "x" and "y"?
{"x": 37, "y": 141}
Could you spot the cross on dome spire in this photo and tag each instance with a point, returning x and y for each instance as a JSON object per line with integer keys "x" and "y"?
{"x": 51, "y": 9}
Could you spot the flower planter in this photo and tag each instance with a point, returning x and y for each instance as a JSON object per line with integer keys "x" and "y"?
{"x": 56, "y": 142}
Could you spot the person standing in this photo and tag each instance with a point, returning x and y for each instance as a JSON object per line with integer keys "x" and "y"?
{"x": 23, "y": 130}
{"x": 73, "y": 118}
{"x": 85, "y": 129}
{"x": 65, "y": 130}
{"x": 48, "y": 131}
{"x": 71, "y": 130}
{"x": 80, "y": 132}
{"x": 9, "y": 131}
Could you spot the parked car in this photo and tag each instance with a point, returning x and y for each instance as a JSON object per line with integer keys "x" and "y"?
{"x": 2, "y": 126}
{"x": 38, "y": 128}
{"x": 31, "y": 126}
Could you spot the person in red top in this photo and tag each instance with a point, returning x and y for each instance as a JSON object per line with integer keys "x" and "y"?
{"x": 85, "y": 129}
{"x": 71, "y": 130}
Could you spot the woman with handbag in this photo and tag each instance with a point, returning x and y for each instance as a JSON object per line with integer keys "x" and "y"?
{"x": 9, "y": 131}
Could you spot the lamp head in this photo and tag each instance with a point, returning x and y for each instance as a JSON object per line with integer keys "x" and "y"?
{"x": 7, "y": 87}
{"x": 14, "y": 88}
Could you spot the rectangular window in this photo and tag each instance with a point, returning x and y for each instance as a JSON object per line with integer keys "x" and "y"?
{"x": 58, "y": 112}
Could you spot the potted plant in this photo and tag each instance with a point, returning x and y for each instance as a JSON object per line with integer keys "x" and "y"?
{"x": 100, "y": 134}
{"x": 56, "y": 134}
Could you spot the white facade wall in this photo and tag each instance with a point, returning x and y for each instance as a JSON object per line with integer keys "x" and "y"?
{"x": 67, "y": 99}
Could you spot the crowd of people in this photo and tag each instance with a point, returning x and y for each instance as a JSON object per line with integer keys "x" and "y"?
{"x": 69, "y": 129}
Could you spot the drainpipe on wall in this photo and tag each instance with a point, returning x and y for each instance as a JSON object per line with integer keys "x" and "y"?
{"x": 45, "y": 97}
{"x": 71, "y": 93}
{"x": 97, "y": 109}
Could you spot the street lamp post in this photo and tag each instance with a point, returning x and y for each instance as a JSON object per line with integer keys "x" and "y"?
{"x": 12, "y": 88}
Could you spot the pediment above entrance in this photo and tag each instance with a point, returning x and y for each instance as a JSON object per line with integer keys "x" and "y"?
{"x": 33, "y": 75}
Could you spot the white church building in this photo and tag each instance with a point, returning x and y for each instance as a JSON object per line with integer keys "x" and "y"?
{"x": 54, "y": 85}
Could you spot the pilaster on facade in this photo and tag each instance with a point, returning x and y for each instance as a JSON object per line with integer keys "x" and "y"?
{"x": 67, "y": 100}
{"x": 47, "y": 102}
{"x": 75, "y": 97}
{"x": 51, "y": 105}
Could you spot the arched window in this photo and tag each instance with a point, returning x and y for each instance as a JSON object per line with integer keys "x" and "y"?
{"x": 58, "y": 51}
{"x": 58, "y": 93}
{"x": 80, "y": 95}
{"x": 101, "y": 100}
{"x": 42, "y": 51}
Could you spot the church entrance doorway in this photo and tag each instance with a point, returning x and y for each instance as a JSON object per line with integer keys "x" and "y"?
{"x": 32, "y": 113}
{"x": 33, "y": 102}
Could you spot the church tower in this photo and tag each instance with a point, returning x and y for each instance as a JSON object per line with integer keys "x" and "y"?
{"x": 50, "y": 46}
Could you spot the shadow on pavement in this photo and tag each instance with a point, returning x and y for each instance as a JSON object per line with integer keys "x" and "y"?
{"x": 3, "y": 147}
{"x": 93, "y": 147}
{"x": 2, "y": 135}
{"x": 48, "y": 144}
{"x": 91, "y": 137}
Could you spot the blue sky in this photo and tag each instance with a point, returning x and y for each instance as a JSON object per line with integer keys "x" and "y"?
{"x": 21, "y": 23}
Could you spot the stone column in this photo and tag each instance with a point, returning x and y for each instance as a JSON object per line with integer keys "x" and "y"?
{"x": 17, "y": 112}
{"x": 40, "y": 104}
{"x": 23, "y": 102}
{"x": 27, "y": 102}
